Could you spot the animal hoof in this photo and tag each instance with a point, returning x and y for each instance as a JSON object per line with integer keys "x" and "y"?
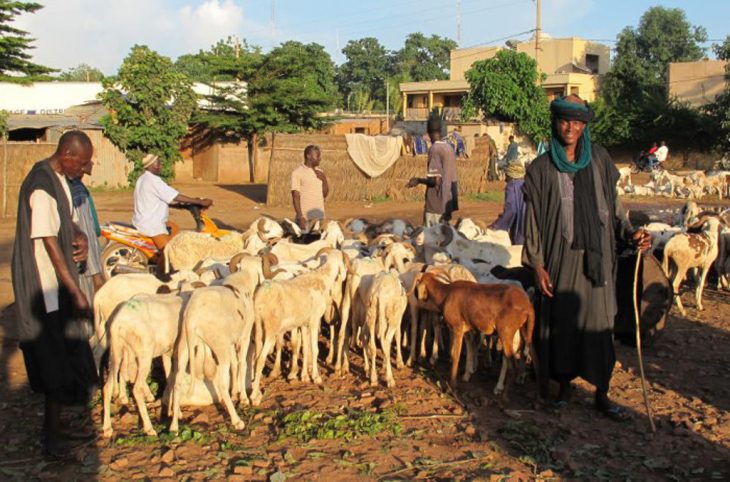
{"x": 317, "y": 380}
{"x": 107, "y": 433}
{"x": 292, "y": 377}
{"x": 432, "y": 361}
{"x": 256, "y": 398}
{"x": 151, "y": 432}
{"x": 239, "y": 425}
{"x": 391, "y": 383}
{"x": 498, "y": 390}
{"x": 244, "y": 402}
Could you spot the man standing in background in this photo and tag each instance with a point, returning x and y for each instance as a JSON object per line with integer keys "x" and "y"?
{"x": 309, "y": 188}
{"x": 442, "y": 193}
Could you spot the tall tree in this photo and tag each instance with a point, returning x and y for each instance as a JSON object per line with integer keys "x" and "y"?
{"x": 82, "y": 73}
{"x": 149, "y": 105}
{"x": 282, "y": 91}
{"x": 15, "y": 43}
{"x": 719, "y": 110}
{"x": 634, "y": 89}
{"x": 365, "y": 70}
{"x": 424, "y": 58}
{"x": 507, "y": 86}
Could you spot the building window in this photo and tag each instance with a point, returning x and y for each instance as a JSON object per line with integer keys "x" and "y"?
{"x": 360, "y": 130}
{"x": 592, "y": 62}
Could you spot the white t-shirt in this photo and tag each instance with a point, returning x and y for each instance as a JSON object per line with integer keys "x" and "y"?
{"x": 152, "y": 197}
{"x": 661, "y": 153}
{"x": 45, "y": 222}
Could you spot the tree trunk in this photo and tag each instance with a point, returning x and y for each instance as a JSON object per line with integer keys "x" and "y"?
{"x": 251, "y": 147}
{"x": 5, "y": 176}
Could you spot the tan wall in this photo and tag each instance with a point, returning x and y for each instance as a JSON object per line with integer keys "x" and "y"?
{"x": 554, "y": 54}
{"x": 232, "y": 163}
{"x": 697, "y": 83}
{"x": 372, "y": 127}
{"x": 184, "y": 170}
{"x": 17, "y": 159}
{"x": 111, "y": 166}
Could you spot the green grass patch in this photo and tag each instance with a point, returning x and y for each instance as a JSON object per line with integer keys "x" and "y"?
{"x": 306, "y": 425}
{"x": 493, "y": 196}
{"x": 186, "y": 434}
{"x": 380, "y": 198}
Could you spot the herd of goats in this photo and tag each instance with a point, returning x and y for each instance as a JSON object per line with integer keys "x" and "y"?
{"x": 232, "y": 302}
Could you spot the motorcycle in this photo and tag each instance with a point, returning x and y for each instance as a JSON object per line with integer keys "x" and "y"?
{"x": 129, "y": 251}
{"x": 644, "y": 163}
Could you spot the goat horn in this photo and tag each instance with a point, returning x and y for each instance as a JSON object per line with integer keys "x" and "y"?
{"x": 266, "y": 266}
{"x": 198, "y": 284}
{"x": 322, "y": 251}
{"x": 275, "y": 272}
{"x": 416, "y": 280}
{"x": 411, "y": 247}
{"x": 272, "y": 258}
{"x": 260, "y": 225}
{"x": 233, "y": 262}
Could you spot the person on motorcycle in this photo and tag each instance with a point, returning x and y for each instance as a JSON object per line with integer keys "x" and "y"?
{"x": 152, "y": 197}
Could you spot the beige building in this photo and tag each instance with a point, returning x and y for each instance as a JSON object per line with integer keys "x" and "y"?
{"x": 696, "y": 83}
{"x": 572, "y": 66}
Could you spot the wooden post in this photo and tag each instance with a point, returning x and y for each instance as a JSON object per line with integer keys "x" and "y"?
{"x": 405, "y": 106}
{"x": 430, "y": 101}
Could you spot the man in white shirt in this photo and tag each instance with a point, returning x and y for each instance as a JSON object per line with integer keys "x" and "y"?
{"x": 152, "y": 199}
{"x": 662, "y": 153}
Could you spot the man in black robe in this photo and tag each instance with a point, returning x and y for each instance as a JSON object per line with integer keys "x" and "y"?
{"x": 573, "y": 220}
{"x": 49, "y": 251}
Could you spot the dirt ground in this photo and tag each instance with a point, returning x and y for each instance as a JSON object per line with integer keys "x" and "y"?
{"x": 413, "y": 431}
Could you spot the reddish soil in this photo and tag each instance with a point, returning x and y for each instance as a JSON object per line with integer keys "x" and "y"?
{"x": 466, "y": 435}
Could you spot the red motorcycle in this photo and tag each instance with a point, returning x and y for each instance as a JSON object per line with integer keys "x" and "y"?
{"x": 129, "y": 251}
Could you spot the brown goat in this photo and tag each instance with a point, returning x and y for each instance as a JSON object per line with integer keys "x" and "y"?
{"x": 486, "y": 308}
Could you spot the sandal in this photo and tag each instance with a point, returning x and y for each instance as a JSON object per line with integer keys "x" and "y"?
{"x": 614, "y": 412}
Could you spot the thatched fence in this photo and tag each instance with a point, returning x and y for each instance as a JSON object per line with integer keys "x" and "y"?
{"x": 348, "y": 183}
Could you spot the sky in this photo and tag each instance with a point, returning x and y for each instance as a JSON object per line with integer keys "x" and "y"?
{"x": 100, "y": 33}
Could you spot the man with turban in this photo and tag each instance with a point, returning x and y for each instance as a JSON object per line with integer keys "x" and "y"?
{"x": 573, "y": 220}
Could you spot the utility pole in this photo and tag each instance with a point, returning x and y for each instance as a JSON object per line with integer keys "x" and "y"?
{"x": 538, "y": 27}
{"x": 458, "y": 23}
{"x": 387, "y": 107}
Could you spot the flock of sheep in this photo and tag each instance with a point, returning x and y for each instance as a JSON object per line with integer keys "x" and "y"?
{"x": 693, "y": 185}
{"x": 232, "y": 302}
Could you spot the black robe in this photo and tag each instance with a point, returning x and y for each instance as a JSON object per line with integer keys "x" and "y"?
{"x": 574, "y": 329}
{"x": 58, "y": 360}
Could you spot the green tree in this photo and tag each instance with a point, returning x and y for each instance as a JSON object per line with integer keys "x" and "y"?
{"x": 282, "y": 91}
{"x": 82, "y": 73}
{"x": 15, "y": 43}
{"x": 149, "y": 105}
{"x": 719, "y": 110}
{"x": 507, "y": 86}
{"x": 424, "y": 58}
{"x": 635, "y": 88}
{"x": 366, "y": 68}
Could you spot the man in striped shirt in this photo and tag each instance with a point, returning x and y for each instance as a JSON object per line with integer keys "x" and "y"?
{"x": 309, "y": 188}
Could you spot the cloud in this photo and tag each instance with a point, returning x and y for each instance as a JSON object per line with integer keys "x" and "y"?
{"x": 101, "y": 32}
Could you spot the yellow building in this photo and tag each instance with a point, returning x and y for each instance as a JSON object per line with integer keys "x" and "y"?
{"x": 572, "y": 66}
{"x": 696, "y": 83}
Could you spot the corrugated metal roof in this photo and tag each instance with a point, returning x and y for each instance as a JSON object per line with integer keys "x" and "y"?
{"x": 85, "y": 116}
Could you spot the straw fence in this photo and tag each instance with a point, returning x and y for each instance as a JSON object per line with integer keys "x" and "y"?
{"x": 348, "y": 183}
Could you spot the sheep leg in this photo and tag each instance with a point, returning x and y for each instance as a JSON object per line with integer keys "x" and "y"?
{"x": 701, "y": 287}
{"x": 175, "y": 380}
{"x": 386, "y": 344}
{"x": 425, "y": 326}
{"x": 456, "y": 343}
{"x": 507, "y": 336}
{"x": 143, "y": 367}
{"x": 398, "y": 339}
{"x": 517, "y": 341}
{"x": 296, "y": 345}
{"x": 109, "y": 387}
{"x": 471, "y": 348}
{"x": 221, "y": 383}
{"x": 331, "y": 353}
{"x": 306, "y": 354}
{"x": 677, "y": 294}
{"x": 276, "y": 370}
{"x": 371, "y": 350}
{"x": 314, "y": 338}
{"x": 436, "y": 339}
{"x": 256, "y": 395}
{"x": 413, "y": 355}
{"x": 340, "y": 363}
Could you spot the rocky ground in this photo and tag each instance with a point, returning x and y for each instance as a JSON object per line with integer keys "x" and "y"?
{"x": 345, "y": 429}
